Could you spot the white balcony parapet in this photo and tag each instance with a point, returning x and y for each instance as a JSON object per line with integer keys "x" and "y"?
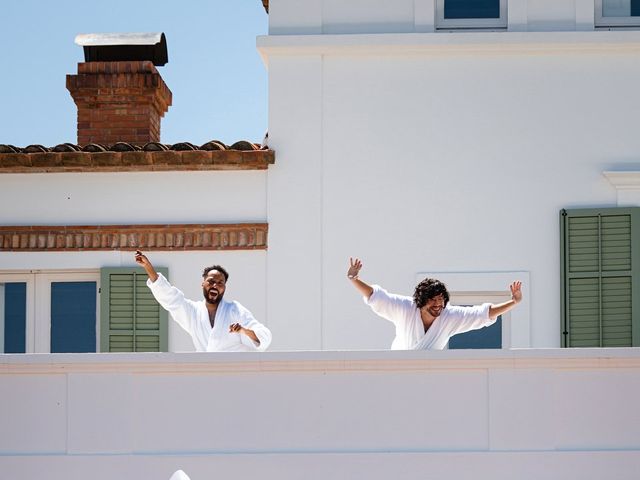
{"x": 496, "y": 413}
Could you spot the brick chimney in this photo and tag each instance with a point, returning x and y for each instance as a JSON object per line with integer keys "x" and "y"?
{"x": 119, "y": 93}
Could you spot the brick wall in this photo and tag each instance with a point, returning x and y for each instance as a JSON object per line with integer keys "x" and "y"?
{"x": 237, "y": 236}
{"x": 119, "y": 102}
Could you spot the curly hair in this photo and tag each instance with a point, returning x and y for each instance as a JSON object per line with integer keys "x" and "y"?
{"x": 220, "y": 269}
{"x": 428, "y": 289}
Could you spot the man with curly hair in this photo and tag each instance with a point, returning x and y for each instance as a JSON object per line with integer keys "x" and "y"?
{"x": 427, "y": 321}
{"x": 214, "y": 323}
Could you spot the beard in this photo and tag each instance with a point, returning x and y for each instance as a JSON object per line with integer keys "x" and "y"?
{"x": 212, "y": 295}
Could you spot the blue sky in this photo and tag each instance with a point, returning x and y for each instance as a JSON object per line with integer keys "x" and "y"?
{"x": 215, "y": 73}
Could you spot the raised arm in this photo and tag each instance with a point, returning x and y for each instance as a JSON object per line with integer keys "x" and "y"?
{"x": 144, "y": 262}
{"x": 501, "y": 308}
{"x": 352, "y": 274}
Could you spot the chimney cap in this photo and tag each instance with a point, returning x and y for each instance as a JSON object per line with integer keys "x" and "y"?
{"x": 115, "y": 47}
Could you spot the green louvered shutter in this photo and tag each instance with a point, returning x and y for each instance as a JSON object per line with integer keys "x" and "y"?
{"x": 600, "y": 283}
{"x": 130, "y": 318}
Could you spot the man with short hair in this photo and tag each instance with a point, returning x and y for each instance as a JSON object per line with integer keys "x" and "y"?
{"x": 215, "y": 324}
{"x": 427, "y": 321}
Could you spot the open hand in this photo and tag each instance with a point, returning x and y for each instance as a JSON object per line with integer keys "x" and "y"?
{"x": 516, "y": 291}
{"x": 354, "y": 268}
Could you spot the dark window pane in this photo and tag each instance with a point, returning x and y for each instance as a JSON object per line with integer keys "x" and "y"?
{"x": 15, "y": 317}
{"x": 73, "y": 317}
{"x": 471, "y": 9}
{"x": 616, "y": 8}
{"x": 487, "y": 337}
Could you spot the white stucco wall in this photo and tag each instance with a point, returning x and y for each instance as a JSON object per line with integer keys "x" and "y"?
{"x": 133, "y": 197}
{"x": 418, "y": 151}
{"x": 524, "y": 414}
{"x": 422, "y": 153}
{"x": 303, "y": 17}
{"x": 436, "y": 153}
{"x": 142, "y": 198}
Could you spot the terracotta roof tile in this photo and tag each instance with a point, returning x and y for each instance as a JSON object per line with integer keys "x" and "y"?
{"x": 66, "y": 147}
{"x": 128, "y": 147}
{"x": 184, "y": 146}
{"x": 94, "y": 147}
{"x": 35, "y": 149}
{"x": 243, "y": 145}
{"x": 9, "y": 149}
{"x": 213, "y": 145}
{"x": 121, "y": 156}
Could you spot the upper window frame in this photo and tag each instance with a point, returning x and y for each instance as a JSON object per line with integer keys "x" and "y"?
{"x": 612, "y": 22}
{"x": 470, "y": 23}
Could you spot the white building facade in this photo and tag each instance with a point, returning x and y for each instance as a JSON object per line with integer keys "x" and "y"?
{"x": 426, "y": 137}
{"x": 423, "y": 144}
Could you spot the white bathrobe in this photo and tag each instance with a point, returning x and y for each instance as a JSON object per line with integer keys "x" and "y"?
{"x": 410, "y": 334}
{"x": 194, "y": 318}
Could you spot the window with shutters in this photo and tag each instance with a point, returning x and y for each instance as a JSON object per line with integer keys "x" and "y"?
{"x": 49, "y": 311}
{"x": 617, "y": 13}
{"x": 600, "y": 283}
{"x": 80, "y": 310}
{"x": 131, "y": 319}
{"x": 471, "y": 14}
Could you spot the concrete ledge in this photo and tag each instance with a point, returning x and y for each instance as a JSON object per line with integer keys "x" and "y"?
{"x": 441, "y": 43}
{"x": 334, "y": 466}
{"x": 321, "y": 361}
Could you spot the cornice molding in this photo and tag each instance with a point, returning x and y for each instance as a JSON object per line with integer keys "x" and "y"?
{"x": 454, "y": 43}
{"x": 624, "y": 180}
{"x": 236, "y": 236}
{"x": 135, "y": 161}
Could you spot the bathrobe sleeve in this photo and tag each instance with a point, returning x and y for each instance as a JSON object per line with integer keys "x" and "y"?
{"x": 464, "y": 319}
{"x": 246, "y": 319}
{"x": 392, "y": 307}
{"x": 172, "y": 299}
